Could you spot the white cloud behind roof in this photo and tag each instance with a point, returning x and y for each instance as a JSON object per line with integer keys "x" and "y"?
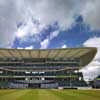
{"x": 92, "y": 70}
{"x": 28, "y": 47}
{"x": 64, "y": 46}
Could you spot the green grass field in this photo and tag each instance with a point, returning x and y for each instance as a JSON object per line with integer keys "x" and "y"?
{"x": 43, "y": 94}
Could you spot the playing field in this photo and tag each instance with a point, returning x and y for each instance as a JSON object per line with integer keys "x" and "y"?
{"x": 43, "y": 94}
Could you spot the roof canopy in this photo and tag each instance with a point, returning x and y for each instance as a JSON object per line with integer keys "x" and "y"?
{"x": 85, "y": 54}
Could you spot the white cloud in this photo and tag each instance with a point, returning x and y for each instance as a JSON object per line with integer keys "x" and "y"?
{"x": 45, "y": 43}
{"x": 7, "y": 22}
{"x": 61, "y": 11}
{"x": 54, "y": 34}
{"x": 64, "y": 46}
{"x": 91, "y": 13}
{"x": 92, "y": 42}
{"x": 29, "y": 47}
{"x": 93, "y": 69}
{"x": 20, "y": 48}
{"x": 29, "y": 28}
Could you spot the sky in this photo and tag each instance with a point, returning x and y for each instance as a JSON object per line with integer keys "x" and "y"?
{"x": 42, "y": 24}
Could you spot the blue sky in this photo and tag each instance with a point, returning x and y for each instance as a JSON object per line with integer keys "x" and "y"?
{"x": 31, "y": 23}
{"x": 73, "y": 37}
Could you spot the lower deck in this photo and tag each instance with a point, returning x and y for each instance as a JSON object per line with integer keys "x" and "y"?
{"x": 42, "y": 82}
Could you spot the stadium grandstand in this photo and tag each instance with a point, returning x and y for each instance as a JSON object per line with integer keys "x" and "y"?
{"x": 96, "y": 82}
{"x": 44, "y": 68}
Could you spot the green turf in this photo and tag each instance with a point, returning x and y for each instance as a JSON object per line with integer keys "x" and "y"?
{"x": 43, "y": 94}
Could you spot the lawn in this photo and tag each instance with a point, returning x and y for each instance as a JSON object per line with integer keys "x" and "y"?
{"x": 43, "y": 94}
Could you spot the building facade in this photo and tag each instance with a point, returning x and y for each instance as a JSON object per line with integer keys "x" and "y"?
{"x": 49, "y": 68}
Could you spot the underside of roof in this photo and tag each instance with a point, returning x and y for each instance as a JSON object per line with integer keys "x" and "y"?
{"x": 84, "y": 54}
